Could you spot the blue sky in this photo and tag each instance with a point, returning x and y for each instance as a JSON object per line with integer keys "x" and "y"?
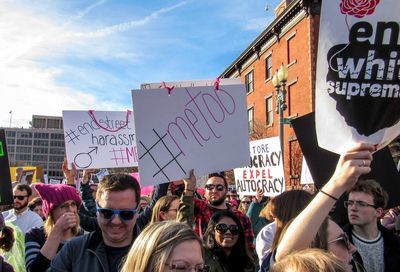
{"x": 80, "y": 55}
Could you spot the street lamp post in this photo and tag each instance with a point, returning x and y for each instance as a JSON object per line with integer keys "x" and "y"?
{"x": 279, "y": 82}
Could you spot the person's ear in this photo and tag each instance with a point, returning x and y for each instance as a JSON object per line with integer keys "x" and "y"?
{"x": 163, "y": 216}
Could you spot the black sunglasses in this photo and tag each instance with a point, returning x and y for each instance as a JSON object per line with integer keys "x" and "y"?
{"x": 211, "y": 187}
{"x": 20, "y": 197}
{"x": 223, "y": 228}
{"x": 109, "y": 214}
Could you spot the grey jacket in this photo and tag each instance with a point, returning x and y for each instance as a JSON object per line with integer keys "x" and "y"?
{"x": 84, "y": 253}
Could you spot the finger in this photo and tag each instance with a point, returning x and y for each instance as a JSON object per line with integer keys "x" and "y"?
{"x": 363, "y": 146}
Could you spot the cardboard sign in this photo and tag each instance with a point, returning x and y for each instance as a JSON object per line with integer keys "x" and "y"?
{"x": 265, "y": 170}
{"x": 6, "y": 194}
{"x": 357, "y": 88}
{"x": 100, "y": 139}
{"x": 198, "y": 128}
{"x": 306, "y": 177}
{"x": 322, "y": 164}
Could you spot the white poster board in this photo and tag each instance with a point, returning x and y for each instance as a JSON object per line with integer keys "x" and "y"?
{"x": 198, "y": 128}
{"x": 357, "y": 87}
{"x": 100, "y": 139}
{"x": 306, "y": 177}
{"x": 265, "y": 170}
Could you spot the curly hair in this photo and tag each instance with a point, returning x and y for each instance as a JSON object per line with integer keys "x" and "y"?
{"x": 371, "y": 187}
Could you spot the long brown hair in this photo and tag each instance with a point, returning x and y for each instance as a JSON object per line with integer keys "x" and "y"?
{"x": 286, "y": 207}
{"x": 162, "y": 205}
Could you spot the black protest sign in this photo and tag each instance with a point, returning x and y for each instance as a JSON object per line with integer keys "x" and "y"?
{"x": 6, "y": 194}
{"x": 322, "y": 164}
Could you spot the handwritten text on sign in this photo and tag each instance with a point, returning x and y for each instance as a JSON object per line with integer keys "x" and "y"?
{"x": 265, "y": 170}
{"x": 196, "y": 128}
{"x": 100, "y": 139}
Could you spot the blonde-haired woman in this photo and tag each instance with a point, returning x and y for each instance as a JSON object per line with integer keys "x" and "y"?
{"x": 60, "y": 205}
{"x": 310, "y": 260}
{"x": 165, "y": 246}
{"x": 166, "y": 208}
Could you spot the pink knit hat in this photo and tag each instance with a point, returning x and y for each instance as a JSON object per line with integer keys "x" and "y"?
{"x": 54, "y": 195}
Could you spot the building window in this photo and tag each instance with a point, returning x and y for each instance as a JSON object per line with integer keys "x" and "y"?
{"x": 249, "y": 82}
{"x": 268, "y": 67}
{"x": 291, "y": 49}
{"x": 269, "y": 111}
{"x": 250, "y": 119}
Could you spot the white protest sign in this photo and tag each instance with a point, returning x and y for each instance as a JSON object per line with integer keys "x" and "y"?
{"x": 101, "y": 174}
{"x": 198, "y": 128}
{"x": 306, "y": 177}
{"x": 357, "y": 87}
{"x": 265, "y": 170}
{"x": 100, "y": 139}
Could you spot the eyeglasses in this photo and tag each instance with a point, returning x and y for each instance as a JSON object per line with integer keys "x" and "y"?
{"x": 358, "y": 204}
{"x": 182, "y": 266}
{"x": 344, "y": 239}
{"x": 109, "y": 214}
{"x": 223, "y": 228}
{"x": 20, "y": 197}
{"x": 67, "y": 206}
{"x": 211, "y": 187}
{"x": 245, "y": 202}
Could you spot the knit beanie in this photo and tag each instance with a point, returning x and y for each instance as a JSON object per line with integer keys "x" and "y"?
{"x": 54, "y": 195}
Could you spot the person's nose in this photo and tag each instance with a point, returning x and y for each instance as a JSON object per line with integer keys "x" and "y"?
{"x": 116, "y": 220}
{"x": 352, "y": 248}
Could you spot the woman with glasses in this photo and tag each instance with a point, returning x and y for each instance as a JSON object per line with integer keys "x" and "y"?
{"x": 302, "y": 231}
{"x": 60, "y": 205}
{"x": 166, "y": 208}
{"x": 244, "y": 204}
{"x": 166, "y": 246}
{"x": 225, "y": 245}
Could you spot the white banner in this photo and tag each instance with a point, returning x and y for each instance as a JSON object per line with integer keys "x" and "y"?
{"x": 100, "y": 139}
{"x": 306, "y": 177}
{"x": 357, "y": 88}
{"x": 265, "y": 170}
{"x": 198, "y": 128}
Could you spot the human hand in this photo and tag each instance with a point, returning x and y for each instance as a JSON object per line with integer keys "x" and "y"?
{"x": 190, "y": 184}
{"x": 352, "y": 164}
{"x": 65, "y": 222}
{"x": 69, "y": 174}
{"x": 260, "y": 195}
{"x": 86, "y": 175}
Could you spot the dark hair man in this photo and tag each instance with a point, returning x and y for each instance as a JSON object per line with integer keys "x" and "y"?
{"x": 215, "y": 194}
{"x": 378, "y": 248}
{"x": 21, "y": 215}
{"x": 102, "y": 250}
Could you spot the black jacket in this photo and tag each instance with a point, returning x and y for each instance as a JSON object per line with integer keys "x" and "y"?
{"x": 391, "y": 245}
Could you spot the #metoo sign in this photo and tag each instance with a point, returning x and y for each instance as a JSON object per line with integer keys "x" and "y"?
{"x": 265, "y": 170}
{"x": 358, "y": 73}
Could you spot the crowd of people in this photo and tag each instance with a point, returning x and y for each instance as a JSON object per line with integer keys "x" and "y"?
{"x": 110, "y": 226}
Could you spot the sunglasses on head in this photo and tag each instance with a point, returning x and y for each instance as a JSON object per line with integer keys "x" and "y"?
{"x": 211, "y": 187}
{"x": 344, "y": 239}
{"x": 20, "y": 197}
{"x": 223, "y": 228}
{"x": 109, "y": 214}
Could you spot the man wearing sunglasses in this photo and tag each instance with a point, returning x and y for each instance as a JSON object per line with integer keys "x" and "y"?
{"x": 216, "y": 189}
{"x": 102, "y": 250}
{"x": 21, "y": 215}
{"x": 378, "y": 248}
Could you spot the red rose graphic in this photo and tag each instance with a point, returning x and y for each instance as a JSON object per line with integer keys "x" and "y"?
{"x": 358, "y": 8}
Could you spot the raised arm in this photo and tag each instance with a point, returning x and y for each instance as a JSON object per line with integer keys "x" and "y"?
{"x": 186, "y": 205}
{"x": 302, "y": 230}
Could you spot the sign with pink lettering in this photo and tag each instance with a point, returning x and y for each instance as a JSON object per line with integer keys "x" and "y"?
{"x": 100, "y": 139}
{"x": 181, "y": 128}
{"x": 358, "y": 74}
{"x": 265, "y": 170}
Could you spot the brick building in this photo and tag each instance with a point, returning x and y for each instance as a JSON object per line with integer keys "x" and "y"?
{"x": 291, "y": 39}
